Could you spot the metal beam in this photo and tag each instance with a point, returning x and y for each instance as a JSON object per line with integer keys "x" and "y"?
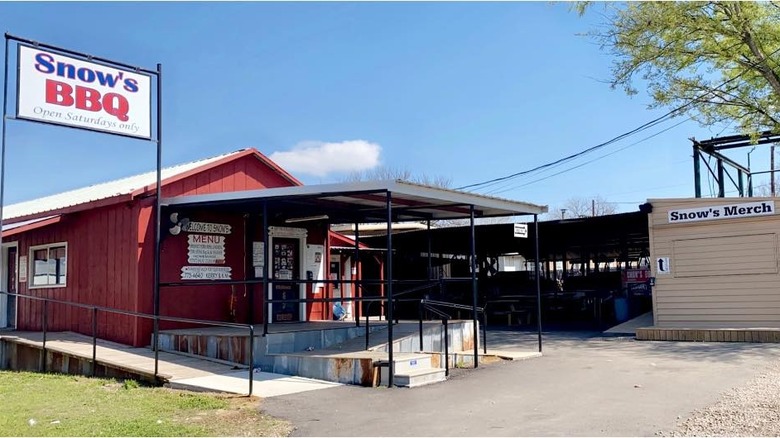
{"x": 389, "y": 291}
{"x": 474, "y": 286}
{"x": 696, "y": 171}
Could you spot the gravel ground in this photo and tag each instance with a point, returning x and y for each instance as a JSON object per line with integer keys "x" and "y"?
{"x": 749, "y": 410}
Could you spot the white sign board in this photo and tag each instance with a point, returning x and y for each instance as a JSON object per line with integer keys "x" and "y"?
{"x": 258, "y": 255}
{"x": 206, "y": 249}
{"x": 733, "y": 211}
{"x": 62, "y": 90}
{"x": 663, "y": 266}
{"x": 23, "y": 269}
{"x": 314, "y": 262}
{"x": 521, "y": 230}
{"x": 205, "y": 273}
{"x": 258, "y": 258}
{"x": 207, "y": 227}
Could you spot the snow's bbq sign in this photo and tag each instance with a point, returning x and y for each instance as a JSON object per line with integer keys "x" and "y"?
{"x": 58, "y": 89}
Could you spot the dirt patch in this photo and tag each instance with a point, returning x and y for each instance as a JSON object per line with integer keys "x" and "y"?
{"x": 241, "y": 418}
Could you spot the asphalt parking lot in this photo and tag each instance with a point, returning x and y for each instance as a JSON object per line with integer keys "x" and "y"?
{"x": 584, "y": 385}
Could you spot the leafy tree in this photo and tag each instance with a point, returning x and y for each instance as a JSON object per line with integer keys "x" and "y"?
{"x": 717, "y": 61}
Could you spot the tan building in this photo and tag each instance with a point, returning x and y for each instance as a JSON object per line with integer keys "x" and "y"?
{"x": 715, "y": 263}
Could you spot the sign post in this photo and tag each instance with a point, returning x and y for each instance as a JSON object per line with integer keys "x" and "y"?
{"x": 64, "y": 87}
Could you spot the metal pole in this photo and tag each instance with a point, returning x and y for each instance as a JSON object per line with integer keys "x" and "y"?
{"x": 368, "y": 331}
{"x": 430, "y": 267}
{"x": 446, "y": 348}
{"x": 2, "y": 146}
{"x": 251, "y": 358}
{"x": 45, "y": 317}
{"x": 772, "y": 168}
{"x": 94, "y": 340}
{"x": 358, "y": 269}
{"x": 750, "y": 174}
{"x": 266, "y": 260}
{"x": 474, "y": 286}
{"x": 249, "y": 230}
{"x": 741, "y": 183}
{"x": 696, "y": 171}
{"x": 538, "y": 283}
{"x": 389, "y": 286}
{"x": 420, "y": 312}
{"x": 484, "y": 331}
{"x": 721, "y": 182}
{"x": 157, "y": 218}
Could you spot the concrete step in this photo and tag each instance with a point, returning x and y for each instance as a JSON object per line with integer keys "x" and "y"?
{"x": 411, "y": 370}
{"x": 411, "y": 379}
{"x": 411, "y": 362}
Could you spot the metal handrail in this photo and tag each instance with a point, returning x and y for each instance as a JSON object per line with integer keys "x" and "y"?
{"x": 444, "y": 320}
{"x": 395, "y": 300}
{"x": 459, "y": 307}
{"x": 96, "y": 309}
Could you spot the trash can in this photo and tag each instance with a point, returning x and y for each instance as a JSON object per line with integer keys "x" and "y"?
{"x": 621, "y": 309}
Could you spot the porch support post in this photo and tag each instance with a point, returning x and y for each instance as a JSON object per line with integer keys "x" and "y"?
{"x": 538, "y": 283}
{"x": 266, "y": 261}
{"x": 249, "y": 232}
{"x": 357, "y": 283}
{"x": 389, "y": 290}
{"x": 430, "y": 266}
{"x": 474, "y": 318}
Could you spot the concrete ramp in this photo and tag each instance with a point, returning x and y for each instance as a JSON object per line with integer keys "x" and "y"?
{"x": 629, "y": 327}
{"x": 71, "y": 353}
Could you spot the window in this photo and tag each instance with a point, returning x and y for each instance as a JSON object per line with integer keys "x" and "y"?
{"x": 49, "y": 265}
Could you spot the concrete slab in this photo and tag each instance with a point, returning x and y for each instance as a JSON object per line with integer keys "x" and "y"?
{"x": 629, "y": 327}
{"x": 265, "y": 384}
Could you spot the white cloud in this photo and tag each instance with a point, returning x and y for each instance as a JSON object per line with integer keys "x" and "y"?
{"x": 321, "y": 159}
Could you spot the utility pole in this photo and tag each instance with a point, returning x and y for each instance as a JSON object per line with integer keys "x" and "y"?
{"x": 563, "y": 213}
{"x": 593, "y": 207}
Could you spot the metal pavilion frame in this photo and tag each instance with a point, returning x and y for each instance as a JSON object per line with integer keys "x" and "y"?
{"x": 377, "y": 202}
{"x": 713, "y": 147}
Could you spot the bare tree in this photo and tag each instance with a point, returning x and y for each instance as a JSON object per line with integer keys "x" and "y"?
{"x": 393, "y": 173}
{"x": 582, "y": 207}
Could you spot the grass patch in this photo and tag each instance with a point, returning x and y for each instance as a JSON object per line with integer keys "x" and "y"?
{"x": 36, "y": 404}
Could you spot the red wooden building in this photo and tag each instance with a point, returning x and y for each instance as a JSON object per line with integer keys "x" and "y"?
{"x": 96, "y": 246}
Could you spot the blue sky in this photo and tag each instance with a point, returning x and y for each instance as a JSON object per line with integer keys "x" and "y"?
{"x": 465, "y": 91}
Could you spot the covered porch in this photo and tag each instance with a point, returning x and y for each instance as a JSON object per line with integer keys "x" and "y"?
{"x": 280, "y": 226}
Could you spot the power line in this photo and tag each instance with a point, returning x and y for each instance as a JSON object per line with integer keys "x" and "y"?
{"x": 595, "y": 159}
{"x": 575, "y": 155}
{"x": 640, "y": 128}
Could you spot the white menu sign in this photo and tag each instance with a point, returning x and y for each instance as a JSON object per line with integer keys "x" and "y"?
{"x": 206, "y": 249}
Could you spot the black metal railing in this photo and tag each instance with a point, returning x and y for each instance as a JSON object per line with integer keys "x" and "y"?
{"x": 396, "y": 300}
{"x": 444, "y": 320}
{"x": 434, "y": 306}
{"x": 94, "y": 312}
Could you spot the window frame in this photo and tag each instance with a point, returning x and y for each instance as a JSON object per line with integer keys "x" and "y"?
{"x": 31, "y": 265}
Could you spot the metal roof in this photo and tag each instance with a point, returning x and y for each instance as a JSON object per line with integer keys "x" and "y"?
{"x": 9, "y": 227}
{"x": 366, "y": 201}
{"x": 97, "y": 192}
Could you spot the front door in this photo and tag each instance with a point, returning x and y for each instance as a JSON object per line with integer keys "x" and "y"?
{"x": 285, "y": 266}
